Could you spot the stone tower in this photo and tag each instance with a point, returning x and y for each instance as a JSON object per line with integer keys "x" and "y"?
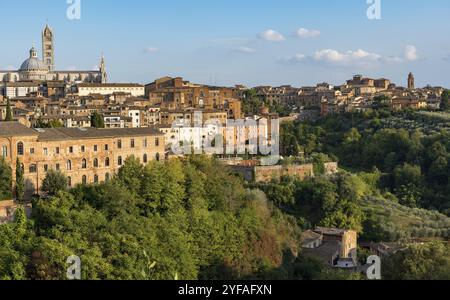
{"x": 411, "y": 82}
{"x": 48, "y": 54}
{"x": 103, "y": 74}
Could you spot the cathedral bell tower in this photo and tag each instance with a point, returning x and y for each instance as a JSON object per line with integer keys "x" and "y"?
{"x": 48, "y": 54}
{"x": 103, "y": 74}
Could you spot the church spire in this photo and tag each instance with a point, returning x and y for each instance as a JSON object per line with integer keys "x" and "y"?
{"x": 103, "y": 74}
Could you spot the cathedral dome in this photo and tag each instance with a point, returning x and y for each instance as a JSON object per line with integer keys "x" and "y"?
{"x": 33, "y": 63}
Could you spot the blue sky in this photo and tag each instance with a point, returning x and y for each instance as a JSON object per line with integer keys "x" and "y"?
{"x": 228, "y": 42}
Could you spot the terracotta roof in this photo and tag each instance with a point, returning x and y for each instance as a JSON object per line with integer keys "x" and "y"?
{"x": 325, "y": 252}
{"x": 10, "y": 129}
{"x": 309, "y": 236}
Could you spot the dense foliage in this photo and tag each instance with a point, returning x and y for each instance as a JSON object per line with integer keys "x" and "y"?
{"x": 414, "y": 162}
{"x": 166, "y": 220}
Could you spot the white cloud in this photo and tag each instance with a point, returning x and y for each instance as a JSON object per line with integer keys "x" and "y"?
{"x": 272, "y": 36}
{"x": 307, "y": 33}
{"x": 349, "y": 57}
{"x": 411, "y": 53}
{"x": 245, "y": 50}
{"x": 151, "y": 49}
{"x": 293, "y": 59}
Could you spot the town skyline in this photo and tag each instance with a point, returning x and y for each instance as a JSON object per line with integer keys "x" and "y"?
{"x": 294, "y": 49}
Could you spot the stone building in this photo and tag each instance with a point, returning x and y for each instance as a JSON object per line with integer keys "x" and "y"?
{"x": 35, "y": 69}
{"x": 411, "y": 82}
{"x": 334, "y": 247}
{"x": 84, "y": 155}
{"x": 175, "y": 93}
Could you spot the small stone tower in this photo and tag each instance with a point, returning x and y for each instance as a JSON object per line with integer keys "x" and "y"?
{"x": 48, "y": 51}
{"x": 411, "y": 82}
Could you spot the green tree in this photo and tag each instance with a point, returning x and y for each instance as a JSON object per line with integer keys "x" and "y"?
{"x": 97, "y": 120}
{"x": 9, "y": 113}
{"x": 419, "y": 262}
{"x": 20, "y": 181}
{"x": 445, "y": 100}
{"x": 54, "y": 182}
{"x": 5, "y": 180}
{"x": 408, "y": 184}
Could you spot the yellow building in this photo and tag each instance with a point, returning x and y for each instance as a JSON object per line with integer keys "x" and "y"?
{"x": 85, "y": 155}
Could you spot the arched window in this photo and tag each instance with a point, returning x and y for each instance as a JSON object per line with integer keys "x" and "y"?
{"x": 20, "y": 149}
{"x": 107, "y": 162}
{"x": 158, "y": 157}
{"x": 69, "y": 181}
{"x": 84, "y": 164}
{"x": 145, "y": 159}
{"x": 84, "y": 179}
{"x": 69, "y": 165}
{"x": 119, "y": 161}
{"x": 95, "y": 163}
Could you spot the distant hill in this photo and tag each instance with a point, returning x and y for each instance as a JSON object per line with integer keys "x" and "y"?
{"x": 390, "y": 221}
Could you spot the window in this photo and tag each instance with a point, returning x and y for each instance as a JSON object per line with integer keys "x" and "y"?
{"x": 95, "y": 163}
{"x": 145, "y": 160}
{"x": 31, "y": 150}
{"x": 106, "y": 147}
{"x": 45, "y": 151}
{"x": 157, "y": 142}
{"x": 119, "y": 161}
{"x": 95, "y": 148}
{"x": 107, "y": 162}
{"x": 157, "y": 157}
{"x": 84, "y": 164}
{"x": 33, "y": 168}
{"x": 69, "y": 165}
{"x": 70, "y": 149}
{"x": 69, "y": 181}
{"x": 83, "y": 149}
{"x": 45, "y": 168}
{"x": 57, "y": 150}
{"x": 84, "y": 179}
{"x": 145, "y": 143}
{"x": 57, "y": 167}
{"x": 4, "y": 151}
{"x": 96, "y": 179}
{"x": 20, "y": 148}
{"x": 107, "y": 176}
{"x": 132, "y": 143}
{"x": 119, "y": 144}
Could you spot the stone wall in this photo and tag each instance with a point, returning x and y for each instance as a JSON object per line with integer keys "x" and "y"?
{"x": 331, "y": 168}
{"x": 7, "y": 209}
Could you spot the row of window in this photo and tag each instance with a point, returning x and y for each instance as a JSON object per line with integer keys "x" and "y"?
{"x": 21, "y": 147}
{"x": 84, "y": 163}
{"x": 84, "y": 179}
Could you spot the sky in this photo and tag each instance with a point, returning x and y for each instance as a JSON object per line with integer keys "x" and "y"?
{"x": 228, "y": 42}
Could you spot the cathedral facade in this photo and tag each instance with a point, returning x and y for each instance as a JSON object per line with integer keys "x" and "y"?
{"x": 37, "y": 69}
